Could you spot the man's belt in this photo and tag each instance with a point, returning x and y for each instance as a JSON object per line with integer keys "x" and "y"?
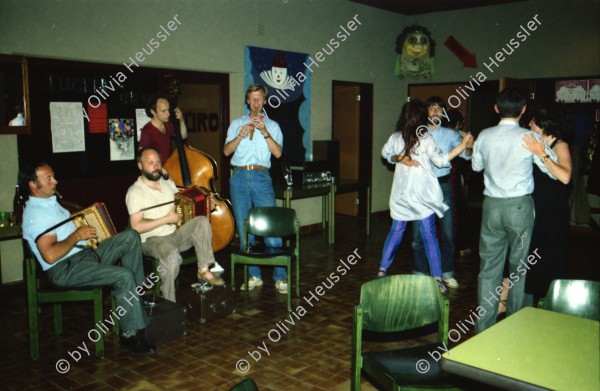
{"x": 251, "y": 167}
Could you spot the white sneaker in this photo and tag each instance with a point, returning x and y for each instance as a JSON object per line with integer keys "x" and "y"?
{"x": 253, "y": 282}
{"x": 451, "y": 282}
{"x": 216, "y": 268}
{"x": 282, "y": 286}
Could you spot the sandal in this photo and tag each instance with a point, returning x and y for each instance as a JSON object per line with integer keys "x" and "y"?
{"x": 381, "y": 273}
{"x": 216, "y": 281}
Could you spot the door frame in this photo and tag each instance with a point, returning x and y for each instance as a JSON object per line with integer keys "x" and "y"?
{"x": 365, "y": 149}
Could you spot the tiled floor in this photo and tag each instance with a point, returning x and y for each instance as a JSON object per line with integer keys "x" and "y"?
{"x": 308, "y": 349}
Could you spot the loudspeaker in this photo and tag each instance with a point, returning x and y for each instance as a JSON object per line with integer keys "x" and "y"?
{"x": 328, "y": 150}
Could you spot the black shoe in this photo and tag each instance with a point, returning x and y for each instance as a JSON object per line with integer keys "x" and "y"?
{"x": 138, "y": 345}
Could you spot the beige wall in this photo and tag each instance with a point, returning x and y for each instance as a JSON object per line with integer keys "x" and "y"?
{"x": 213, "y": 33}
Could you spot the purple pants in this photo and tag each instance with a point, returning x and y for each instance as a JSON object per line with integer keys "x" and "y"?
{"x": 432, "y": 249}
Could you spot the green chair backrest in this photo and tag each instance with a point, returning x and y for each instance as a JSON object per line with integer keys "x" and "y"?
{"x": 272, "y": 221}
{"x": 246, "y": 385}
{"x": 400, "y": 302}
{"x": 574, "y": 297}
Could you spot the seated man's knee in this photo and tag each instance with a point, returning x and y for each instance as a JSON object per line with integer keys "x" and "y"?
{"x": 123, "y": 278}
{"x": 131, "y": 236}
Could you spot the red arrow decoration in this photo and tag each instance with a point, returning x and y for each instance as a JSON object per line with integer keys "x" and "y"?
{"x": 467, "y": 58}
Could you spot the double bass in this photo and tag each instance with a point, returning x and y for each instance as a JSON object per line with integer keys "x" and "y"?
{"x": 189, "y": 166}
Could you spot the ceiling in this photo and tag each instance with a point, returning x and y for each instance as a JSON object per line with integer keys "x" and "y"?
{"x": 415, "y": 7}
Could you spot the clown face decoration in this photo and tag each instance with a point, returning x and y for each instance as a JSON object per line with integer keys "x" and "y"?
{"x": 415, "y": 49}
{"x": 278, "y": 76}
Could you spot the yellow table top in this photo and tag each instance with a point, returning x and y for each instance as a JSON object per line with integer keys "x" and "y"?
{"x": 533, "y": 347}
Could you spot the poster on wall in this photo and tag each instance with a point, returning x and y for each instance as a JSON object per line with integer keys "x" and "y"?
{"x": 594, "y": 90}
{"x": 98, "y": 117}
{"x": 288, "y": 102}
{"x": 571, "y": 91}
{"x": 141, "y": 119}
{"x": 121, "y": 133}
{"x": 66, "y": 126}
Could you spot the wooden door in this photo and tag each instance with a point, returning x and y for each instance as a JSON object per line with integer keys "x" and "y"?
{"x": 201, "y": 105}
{"x": 346, "y": 126}
{"x": 425, "y": 91}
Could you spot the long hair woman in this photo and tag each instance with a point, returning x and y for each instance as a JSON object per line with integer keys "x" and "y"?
{"x": 416, "y": 193}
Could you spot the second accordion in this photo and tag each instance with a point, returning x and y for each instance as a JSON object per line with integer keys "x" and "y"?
{"x": 191, "y": 202}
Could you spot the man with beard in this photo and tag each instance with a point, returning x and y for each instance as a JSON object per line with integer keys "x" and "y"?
{"x": 160, "y": 238}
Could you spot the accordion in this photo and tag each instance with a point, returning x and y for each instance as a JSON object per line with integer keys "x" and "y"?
{"x": 95, "y": 216}
{"x": 191, "y": 202}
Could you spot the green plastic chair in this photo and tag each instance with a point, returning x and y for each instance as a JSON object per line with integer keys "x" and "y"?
{"x": 393, "y": 304}
{"x": 573, "y": 297}
{"x": 38, "y": 293}
{"x": 271, "y": 222}
{"x": 246, "y": 385}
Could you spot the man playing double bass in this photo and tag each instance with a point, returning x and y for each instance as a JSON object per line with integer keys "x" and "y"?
{"x": 156, "y": 225}
{"x": 158, "y": 132}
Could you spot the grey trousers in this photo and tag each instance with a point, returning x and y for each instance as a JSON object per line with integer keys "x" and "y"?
{"x": 90, "y": 268}
{"x": 197, "y": 233}
{"x": 506, "y": 228}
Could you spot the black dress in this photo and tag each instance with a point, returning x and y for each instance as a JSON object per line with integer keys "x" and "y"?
{"x": 550, "y": 232}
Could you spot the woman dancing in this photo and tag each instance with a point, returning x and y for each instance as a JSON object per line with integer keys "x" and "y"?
{"x": 416, "y": 193}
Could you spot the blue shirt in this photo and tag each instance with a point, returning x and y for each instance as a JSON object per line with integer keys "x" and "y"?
{"x": 255, "y": 151}
{"x": 41, "y": 214}
{"x": 506, "y": 164}
{"x": 446, "y": 139}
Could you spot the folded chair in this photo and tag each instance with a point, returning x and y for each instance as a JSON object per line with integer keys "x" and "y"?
{"x": 271, "y": 222}
{"x": 394, "y": 304}
{"x": 573, "y": 297}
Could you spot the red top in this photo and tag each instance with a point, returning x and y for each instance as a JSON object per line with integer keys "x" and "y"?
{"x": 152, "y": 137}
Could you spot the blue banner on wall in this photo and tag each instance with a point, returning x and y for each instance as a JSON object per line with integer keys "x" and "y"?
{"x": 288, "y": 102}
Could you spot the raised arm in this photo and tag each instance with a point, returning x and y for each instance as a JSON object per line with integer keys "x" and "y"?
{"x": 561, "y": 169}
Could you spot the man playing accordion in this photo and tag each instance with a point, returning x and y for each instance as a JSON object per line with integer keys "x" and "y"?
{"x": 157, "y": 224}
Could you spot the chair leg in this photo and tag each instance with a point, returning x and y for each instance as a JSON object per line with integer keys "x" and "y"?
{"x": 233, "y": 272}
{"x": 98, "y": 319}
{"x": 297, "y": 277}
{"x": 116, "y": 326}
{"x": 289, "y": 290}
{"x": 32, "y": 311}
{"x": 246, "y": 279}
{"x": 58, "y": 319}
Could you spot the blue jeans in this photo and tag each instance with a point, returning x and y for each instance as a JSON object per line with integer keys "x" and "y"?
{"x": 394, "y": 238}
{"x": 253, "y": 188}
{"x": 447, "y": 245}
{"x": 506, "y": 227}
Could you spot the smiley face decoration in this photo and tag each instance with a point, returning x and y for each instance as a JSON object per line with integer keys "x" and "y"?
{"x": 415, "y": 49}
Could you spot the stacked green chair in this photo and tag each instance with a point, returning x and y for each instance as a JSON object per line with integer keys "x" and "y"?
{"x": 271, "y": 221}
{"x": 395, "y": 304}
{"x": 573, "y": 297}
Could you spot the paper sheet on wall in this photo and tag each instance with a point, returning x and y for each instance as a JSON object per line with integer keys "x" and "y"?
{"x": 141, "y": 119}
{"x": 66, "y": 125}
